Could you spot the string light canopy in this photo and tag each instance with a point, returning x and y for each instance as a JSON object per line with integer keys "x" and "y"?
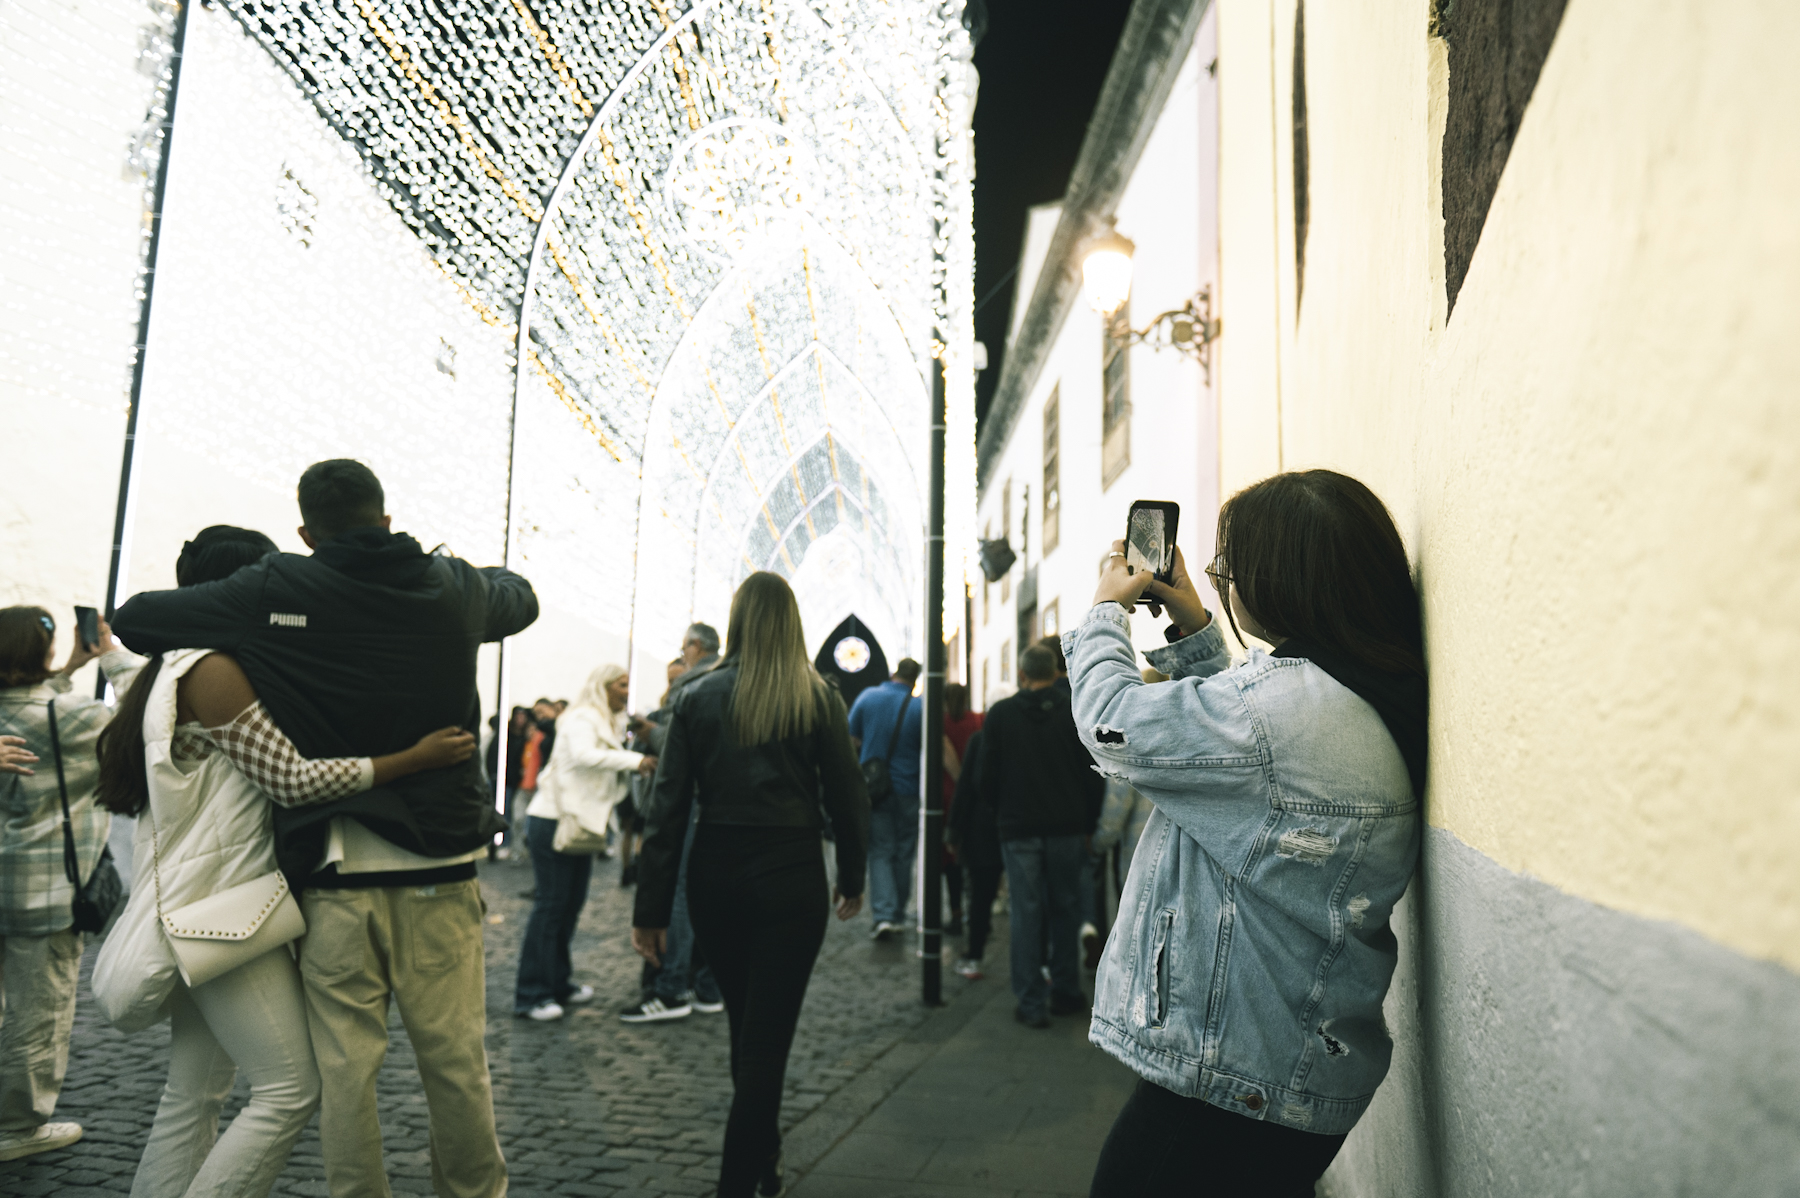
{"x": 730, "y": 237}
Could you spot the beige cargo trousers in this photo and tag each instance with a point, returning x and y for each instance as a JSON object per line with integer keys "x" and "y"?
{"x": 421, "y": 947}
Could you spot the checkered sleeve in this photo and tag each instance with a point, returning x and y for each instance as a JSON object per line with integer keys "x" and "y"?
{"x": 263, "y": 753}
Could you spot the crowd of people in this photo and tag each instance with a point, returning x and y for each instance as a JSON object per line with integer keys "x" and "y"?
{"x": 294, "y": 736}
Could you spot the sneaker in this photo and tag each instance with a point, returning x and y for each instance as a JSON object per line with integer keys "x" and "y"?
{"x": 1040, "y": 1020}
{"x": 655, "y": 1010}
{"x": 43, "y": 1139}
{"x": 772, "y": 1184}
{"x": 883, "y": 930}
{"x": 1091, "y": 944}
{"x": 969, "y": 968}
{"x": 706, "y": 1006}
{"x": 628, "y": 876}
{"x": 581, "y": 994}
{"x": 1069, "y": 1004}
{"x": 545, "y": 1011}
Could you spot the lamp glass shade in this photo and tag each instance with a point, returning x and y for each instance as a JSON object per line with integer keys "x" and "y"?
{"x": 1106, "y": 275}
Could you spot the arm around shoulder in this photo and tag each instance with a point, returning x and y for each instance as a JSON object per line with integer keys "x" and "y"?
{"x": 512, "y": 606}
{"x": 212, "y": 615}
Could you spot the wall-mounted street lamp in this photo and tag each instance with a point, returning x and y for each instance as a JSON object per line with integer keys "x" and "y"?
{"x": 1106, "y": 279}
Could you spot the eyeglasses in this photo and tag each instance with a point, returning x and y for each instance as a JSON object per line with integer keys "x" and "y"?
{"x": 1217, "y": 572}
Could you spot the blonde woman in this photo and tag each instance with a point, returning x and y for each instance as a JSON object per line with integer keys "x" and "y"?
{"x": 757, "y": 742}
{"x": 587, "y": 777}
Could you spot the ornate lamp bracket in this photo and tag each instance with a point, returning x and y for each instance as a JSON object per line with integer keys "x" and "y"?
{"x": 1190, "y": 329}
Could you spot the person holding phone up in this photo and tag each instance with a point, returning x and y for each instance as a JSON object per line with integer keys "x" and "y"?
{"x": 1244, "y": 979}
{"x": 40, "y": 952}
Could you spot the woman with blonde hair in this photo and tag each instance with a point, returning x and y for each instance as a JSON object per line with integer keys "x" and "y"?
{"x": 757, "y": 743}
{"x": 565, "y": 827}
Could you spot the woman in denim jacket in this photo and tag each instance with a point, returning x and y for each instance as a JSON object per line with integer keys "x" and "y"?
{"x": 1244, "y": 979}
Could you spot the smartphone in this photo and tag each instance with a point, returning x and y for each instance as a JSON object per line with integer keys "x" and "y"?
{"x": 1150, "y": 538}
{"x": 87, "y": 626}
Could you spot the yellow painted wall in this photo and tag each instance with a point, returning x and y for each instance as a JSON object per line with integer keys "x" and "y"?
{"x": 1595, "y": 461}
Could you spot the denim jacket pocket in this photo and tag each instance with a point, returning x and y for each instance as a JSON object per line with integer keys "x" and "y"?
{"x": 1159, "y": 967}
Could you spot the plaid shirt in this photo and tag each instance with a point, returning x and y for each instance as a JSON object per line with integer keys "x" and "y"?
{"x": 35, "y": 893}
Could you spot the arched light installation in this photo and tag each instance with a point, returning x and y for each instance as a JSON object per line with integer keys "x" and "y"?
{"x": 730, "y": 236}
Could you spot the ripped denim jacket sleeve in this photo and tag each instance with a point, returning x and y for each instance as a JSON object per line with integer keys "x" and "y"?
{"x": 1155, "y": 735}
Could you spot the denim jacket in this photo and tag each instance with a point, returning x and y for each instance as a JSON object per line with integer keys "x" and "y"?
{"x": 1252, "y": 949}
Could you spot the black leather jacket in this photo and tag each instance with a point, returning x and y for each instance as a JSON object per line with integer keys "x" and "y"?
{"x": 779, "y": 784}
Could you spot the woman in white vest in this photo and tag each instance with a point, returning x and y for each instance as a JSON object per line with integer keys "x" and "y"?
{"x": 195, "y": 756}
{"x": 565, "y": 826}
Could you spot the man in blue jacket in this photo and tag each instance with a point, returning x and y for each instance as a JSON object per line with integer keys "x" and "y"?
{"x": 357, "y": 651}
{"x": 888, "y": 725}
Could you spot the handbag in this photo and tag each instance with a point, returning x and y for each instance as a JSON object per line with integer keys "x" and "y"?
{"x": 576, "y": 838}
{"x": 95, "y": 902}
{"x": 214, "y": 935}
{"x": 878, "y": 773}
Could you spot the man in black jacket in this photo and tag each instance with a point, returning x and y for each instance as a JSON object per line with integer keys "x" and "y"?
{"x": 357, "y": 651}
{"x": 1045, "y": 795}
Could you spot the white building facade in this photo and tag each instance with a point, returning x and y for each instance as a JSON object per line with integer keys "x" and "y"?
{"x": 1080, "y": 427}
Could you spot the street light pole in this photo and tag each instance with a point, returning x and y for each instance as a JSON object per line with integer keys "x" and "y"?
{"x": 122, "y": 514}
{"x": 931, "y": 814}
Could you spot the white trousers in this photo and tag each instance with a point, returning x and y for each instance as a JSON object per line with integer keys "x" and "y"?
{"x": 252, "y": 1018}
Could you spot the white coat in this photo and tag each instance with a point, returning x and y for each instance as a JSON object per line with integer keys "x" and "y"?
{"x": 589, "y": 767}
{"x": 213, "y": 829}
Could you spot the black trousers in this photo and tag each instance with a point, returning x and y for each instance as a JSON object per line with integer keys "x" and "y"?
{"x": 984, "y": 887}
{"x": 1164, "y": 1144}
{"x": 759, "y": 902}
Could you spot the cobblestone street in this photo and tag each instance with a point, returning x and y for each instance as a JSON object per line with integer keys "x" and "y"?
{"x": 587, "y": 1107}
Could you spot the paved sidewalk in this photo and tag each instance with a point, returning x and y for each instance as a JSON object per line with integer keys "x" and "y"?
{"x": 989, "y": 1109}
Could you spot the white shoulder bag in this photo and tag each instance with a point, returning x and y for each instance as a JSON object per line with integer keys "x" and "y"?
{"x": 214, "y": 935}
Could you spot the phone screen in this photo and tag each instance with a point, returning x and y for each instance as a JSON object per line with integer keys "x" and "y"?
{"x": 87, "y": 626}
{"x": 1147, "y": 542}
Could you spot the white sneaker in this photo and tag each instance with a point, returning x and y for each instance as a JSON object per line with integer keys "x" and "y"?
{"x": 655, "y": 1010}
{"x": 699, "y": 1004}
{"x": 969, "y": 968}
{"x": 581, "y": 994}
{"x": 545, "y": 1011}
{"x": 884, "y": 929}
{"x": 42, "y": 1139}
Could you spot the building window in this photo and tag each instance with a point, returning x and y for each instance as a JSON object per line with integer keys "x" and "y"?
{"x": 1115, "y": 398}
{"x": 1051, "y": 625}
{"x": 1052, "y": 492}
{"x": 1005, "y": 661}
{"x": 1005, "y": 531}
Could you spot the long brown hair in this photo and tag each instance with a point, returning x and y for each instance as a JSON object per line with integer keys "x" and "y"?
{"x": 1315, "y": 555}
{"x": 778, "y": 692}
{"x": 26, "y": 634}
{"x": 216, "y": 552}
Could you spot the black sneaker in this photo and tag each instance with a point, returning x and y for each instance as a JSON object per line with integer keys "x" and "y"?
{"x": 1040, "y": 1020}
{"x": 628, "y": 876}
{"x": 655, "y": 1010}
{"x": 772, "y": 1184}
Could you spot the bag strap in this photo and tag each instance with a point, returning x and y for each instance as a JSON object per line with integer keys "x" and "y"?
{"x": 71, "y": 863}
{"x": 894, "y": 739}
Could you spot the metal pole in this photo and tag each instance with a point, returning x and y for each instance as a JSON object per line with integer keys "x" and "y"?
{"x": 931, "y": 813}
{"x": 121, "y": 516}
